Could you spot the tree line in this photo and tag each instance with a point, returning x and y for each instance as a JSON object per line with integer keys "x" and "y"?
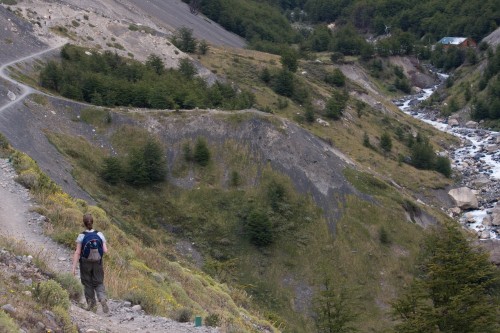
{"x": 110, "y": 80}
{"x": 424, "y": 21}
{"x": 487, "y": 104}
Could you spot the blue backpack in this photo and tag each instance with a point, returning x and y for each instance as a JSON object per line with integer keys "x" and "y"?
{"x": 92, "y": 246}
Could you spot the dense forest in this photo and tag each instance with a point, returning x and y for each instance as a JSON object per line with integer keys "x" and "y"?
{"x": 487, "y": 106}
{"x": 428, "y": 20}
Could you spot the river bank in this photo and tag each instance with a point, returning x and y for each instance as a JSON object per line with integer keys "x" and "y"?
{"x": 476, "y": 161}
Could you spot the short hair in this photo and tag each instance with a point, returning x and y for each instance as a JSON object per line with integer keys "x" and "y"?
{"x": 88, "y": 220}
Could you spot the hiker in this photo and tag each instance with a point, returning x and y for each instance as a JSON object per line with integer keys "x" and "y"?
{"x": 90, "y": 248}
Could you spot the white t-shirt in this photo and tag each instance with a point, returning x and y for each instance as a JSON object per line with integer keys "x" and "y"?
{"x": 79, "y": 239}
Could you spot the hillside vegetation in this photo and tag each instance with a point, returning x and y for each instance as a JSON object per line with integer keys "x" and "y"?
{"x": 251, "y": 228}
{"x": 428, "y": 20}
{"x": 309, "y": 204}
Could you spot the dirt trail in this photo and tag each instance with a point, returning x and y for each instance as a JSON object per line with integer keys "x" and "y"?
{"x": 20, "y": 224}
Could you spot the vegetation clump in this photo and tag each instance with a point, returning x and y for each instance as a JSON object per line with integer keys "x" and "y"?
{"x": 52, "y": 294}
{"x": 456, "y": 289}
{"x": 144, "y": 166}
{"x": 110, "y": 80}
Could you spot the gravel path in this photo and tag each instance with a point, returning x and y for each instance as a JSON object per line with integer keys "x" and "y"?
{"x": 19, "y": 223}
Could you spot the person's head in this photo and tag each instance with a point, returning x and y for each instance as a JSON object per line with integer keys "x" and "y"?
{"x": 88, "y": 221}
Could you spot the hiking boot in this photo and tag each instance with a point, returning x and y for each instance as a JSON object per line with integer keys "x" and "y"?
{"x": 92, "y": 306}
{"x": 105, "y": 307}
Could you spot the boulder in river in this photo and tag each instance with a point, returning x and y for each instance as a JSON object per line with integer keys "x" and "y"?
{"x": 491, "y": 148}
{"x": 485, "y": 234}
{"x": 453, "y": 122}
{"x": 481, "y": 181}
{"x": 495, "y": 216}
{"x": 487, "y": 221}
{"x": 464, "y": 198}
{"x": 471, "y": 124}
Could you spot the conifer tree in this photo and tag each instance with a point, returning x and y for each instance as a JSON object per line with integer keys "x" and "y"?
{"x": 112, "y": 171}
{"x": 147, "y": 165}
{"x": 386, "y": 142}
{"x": 456, "y": 291}
{"x": 154, "y": 161}
{"x": 201, "y": 152}
{"x": 334, "y": 310}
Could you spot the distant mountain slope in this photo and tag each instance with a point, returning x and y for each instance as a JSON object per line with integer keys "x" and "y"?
{"x": 494, "y": 38}
{"x": 16, "y": 37}
{"x": 176, "y": 14}
{"x": 428, "y": 20}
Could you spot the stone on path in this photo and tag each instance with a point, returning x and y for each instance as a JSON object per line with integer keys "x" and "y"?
{"x": 11, "y": 96}
{"x": 9, "y": 309}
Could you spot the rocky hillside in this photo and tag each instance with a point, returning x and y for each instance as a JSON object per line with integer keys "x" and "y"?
{"x": 333, "y": 203}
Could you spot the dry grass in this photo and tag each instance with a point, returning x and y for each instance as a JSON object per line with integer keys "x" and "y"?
{"x": 135, "y": 271}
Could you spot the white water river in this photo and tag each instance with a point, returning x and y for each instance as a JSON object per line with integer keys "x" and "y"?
{"x": 487, "y": 163}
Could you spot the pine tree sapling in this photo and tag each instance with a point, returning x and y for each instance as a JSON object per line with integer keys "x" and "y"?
{"x": 386, "y": 142}
{"x": 259, "y": 228}
{"x": 156, "y": 64}
{"x": 112, "y": 171}
{"x": 366, "y": 141}
{"x": 334, "y": 310}
{"x": 201, "y": 152}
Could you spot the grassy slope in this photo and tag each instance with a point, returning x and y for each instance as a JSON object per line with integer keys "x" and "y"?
{"x": 279, "y": 279}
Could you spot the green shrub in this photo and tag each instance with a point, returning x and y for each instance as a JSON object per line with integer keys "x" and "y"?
{"x": 184, "y": 315}
{"x": 7, "y": 325}
{"x": 65, "y": 237}
{"x": 203, "y": 47}
{"x": 183, "y": 39}
{"x": 235, "y": 179}
{"x": 112, "y": 170}
{"x": 52, "y": 294}
{"x": 336, "y": 104}
{"x": 64, "y": 320}
{"x": 4, "y": 143}
{"x": 212, "y": 320}
{"x": 146, "y": 300}
{"x": 259, "y": 228}
{"x": 384, "y": 236}
{"x": 28, "y": 179}
{"x": 386, "y": 142}
{"x": 71, "y": 285}
{"x": 201, "y": 153}
{"x": 443, "y": 166}
{"x": 337, "y": 78}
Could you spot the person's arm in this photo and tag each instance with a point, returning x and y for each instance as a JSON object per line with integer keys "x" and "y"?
{"x": 76, "y": 256}
{"x": 104, "y": 242}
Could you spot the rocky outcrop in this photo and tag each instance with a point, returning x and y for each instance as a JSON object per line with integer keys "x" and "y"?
{"x": 464, "y": 198}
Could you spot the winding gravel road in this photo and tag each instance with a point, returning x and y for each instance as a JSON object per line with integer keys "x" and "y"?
{"x": 26, "y": 90}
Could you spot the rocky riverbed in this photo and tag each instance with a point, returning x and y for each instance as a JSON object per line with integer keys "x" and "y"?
{"x": 477, "y": 160}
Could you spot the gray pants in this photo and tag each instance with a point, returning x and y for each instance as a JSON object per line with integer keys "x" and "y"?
{"x": 92, "y": 277}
